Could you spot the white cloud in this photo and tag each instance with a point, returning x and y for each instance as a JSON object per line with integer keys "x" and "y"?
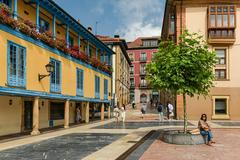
{"x": 98, "y": 9}
{"x": 138, "y": 29}
{"x": 139, "y": 17}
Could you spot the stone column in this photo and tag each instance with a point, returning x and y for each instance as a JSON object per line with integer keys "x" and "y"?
{"x": 87, "y": 113}
{"x": 109, "y": 111}
{"x": 66, "y": 114}
{"x": 15, "y": 11}
{"x": 35, "y": 130}
{"x": 37, "y": 15}
{"x": 102, "y": 112}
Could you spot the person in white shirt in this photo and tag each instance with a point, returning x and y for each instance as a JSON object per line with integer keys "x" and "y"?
{"x": 143, "y": 109}
{"x": 123, "y": 112}
{"x": 116, "y": 113}
{"x": 170, "y": 110}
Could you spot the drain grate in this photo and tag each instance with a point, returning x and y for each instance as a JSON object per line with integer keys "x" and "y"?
{"x": 132, "y": 141}
{"x": 135, "y": 146}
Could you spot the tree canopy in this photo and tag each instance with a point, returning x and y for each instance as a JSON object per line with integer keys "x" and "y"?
{"x": 183, "y": 68}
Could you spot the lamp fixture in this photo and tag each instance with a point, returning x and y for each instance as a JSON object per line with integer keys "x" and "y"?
{"x": 50, "y": 68}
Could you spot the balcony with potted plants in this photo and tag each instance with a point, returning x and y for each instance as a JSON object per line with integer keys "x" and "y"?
{"x": 28, "y": 28}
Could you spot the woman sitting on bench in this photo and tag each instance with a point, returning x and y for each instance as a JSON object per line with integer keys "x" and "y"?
{"x": 205, "y": 129}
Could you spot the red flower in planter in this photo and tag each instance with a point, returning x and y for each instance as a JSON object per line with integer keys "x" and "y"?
{"x": 5, "y": 9}
{"x": 11, "y": 22}
{"x": 30, "y": 24}
{"x": 82, "y": 56}
{"x": 75, "y": 48}
{"x": 35, "y": 34}
{"x": 49, "y": 34}
{"x": 95, "y": 62}
{"x": 25, "y": 29}
{"x": 60, "y": 43}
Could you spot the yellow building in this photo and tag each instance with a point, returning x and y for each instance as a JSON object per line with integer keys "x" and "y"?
{"x": 121, "y": 65}
{"x": 218, "y": 23}
{"x": 50, "y": 65}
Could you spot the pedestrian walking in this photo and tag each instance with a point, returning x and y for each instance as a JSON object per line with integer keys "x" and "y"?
{"x": 78, "y": 115}
{"x": 116, "y": 113}
{"x": 170, "y": 111}
{"x": 123, "y": 112}
{"x": 160, "y": 111}
{"x": 143, "y": 109}
{"x": 133, "y": 104}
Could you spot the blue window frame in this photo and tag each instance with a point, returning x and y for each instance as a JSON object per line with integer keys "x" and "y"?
{"x": 55, "y": 84}
{"x": 97, "y": 87}
{"x": 105, "y": 89}
{"x": 16, "y": 65}
{"x": 43, "y": 25}
{"x": 80, "y": 79}
{"x": 7, "y": 2}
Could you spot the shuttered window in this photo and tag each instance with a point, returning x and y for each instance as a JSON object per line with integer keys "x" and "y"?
{"x": 16, "y": 65}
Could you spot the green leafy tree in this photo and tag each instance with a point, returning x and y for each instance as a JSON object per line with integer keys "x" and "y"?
{"x": 185, "y": 68}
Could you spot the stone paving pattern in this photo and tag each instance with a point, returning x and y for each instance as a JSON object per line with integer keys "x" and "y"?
{"x": 226, "y": 148}
{"x": 67, "y": 147}
{"x": 107, "y": 140}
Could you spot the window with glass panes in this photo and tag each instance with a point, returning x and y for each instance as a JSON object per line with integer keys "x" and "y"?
{"x": 55, "y": 85}
{"x": 43, "y": 25}
{"x": 131, "y": 70}
{"x": 16, "y": 65}
{"x": 7, "y": 2}
{"x": 221, "y": 56}
{"x": 97, "y": 87}
{"x": 143, "y": 68}
{"x": 143, "y": 82}
{"x": 71, "y": 41}
{"x": 132, "y": 81}
{"x": 222, "y": 16}
{"x": 80, "y": 80}
{"x": 220, "y": 74}
{"x": 143, "y": 56}
{"x": 105, "y": 89}
{"x": 131, "y": 57}
{"x": 222, "y": 21}
{"x": 220, "y": 106}
{"x": 172, "y": 24}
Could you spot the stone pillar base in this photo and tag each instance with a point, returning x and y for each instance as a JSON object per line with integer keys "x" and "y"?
{"x": 33, "y": 133}
{"x": 66, "y": 127}
{"x": 102, "y": 112}
{"x": 109, "y": 112}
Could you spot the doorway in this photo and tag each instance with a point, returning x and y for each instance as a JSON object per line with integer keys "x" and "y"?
{"x": 28, "y": 115}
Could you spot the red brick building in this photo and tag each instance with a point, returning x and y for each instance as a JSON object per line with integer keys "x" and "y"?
{"x": 140, "y": 53}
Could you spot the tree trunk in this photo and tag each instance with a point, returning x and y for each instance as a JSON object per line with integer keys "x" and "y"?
{"x": 185, "y": 113}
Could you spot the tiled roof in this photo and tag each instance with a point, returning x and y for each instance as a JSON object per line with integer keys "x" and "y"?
{"x": 108, "y": 39}
{"x": 139, "y": 41}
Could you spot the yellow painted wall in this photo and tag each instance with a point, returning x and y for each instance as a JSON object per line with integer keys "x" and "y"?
{"x": 37, "y": 58}
{"x": 31, "y": 10}
{"x": 60, "y": 31}
{"x": 72, "y": 109}
{"x": 10, "y": 119}
{"x": 43, "y": 114}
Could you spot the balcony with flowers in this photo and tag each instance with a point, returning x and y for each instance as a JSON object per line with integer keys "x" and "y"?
{"x": 28, "y": 28}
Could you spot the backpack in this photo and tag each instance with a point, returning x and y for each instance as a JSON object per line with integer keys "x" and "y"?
{"x": 160, "y": 108}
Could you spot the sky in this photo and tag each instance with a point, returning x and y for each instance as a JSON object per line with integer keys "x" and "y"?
{"x": 128, "y": 18}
